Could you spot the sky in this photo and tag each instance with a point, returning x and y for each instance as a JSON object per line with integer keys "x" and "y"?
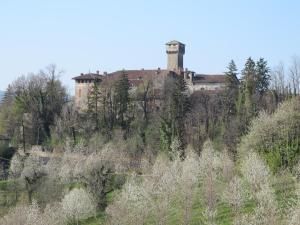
{"x": 107, "y": 35}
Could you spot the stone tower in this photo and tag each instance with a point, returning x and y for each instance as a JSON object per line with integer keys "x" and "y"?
{"x": 175, "y": 51}
{"x": 83, "y": 85}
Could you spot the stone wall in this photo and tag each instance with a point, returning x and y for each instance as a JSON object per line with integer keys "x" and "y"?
{"x": 206, "y": 86}
{"x": 81, "y": 94}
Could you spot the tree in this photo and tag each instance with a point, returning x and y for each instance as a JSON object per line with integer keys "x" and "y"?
{"x": 131, "y": 207}
{"x": 234, "y": 194}
{"x": 78, "y": 204}
{"x": 176, "y": 105}
{"x": 145, "y": 95}
{"x": 94, "y": 103}
{"x": 249, "y": 87}
{"x": 9, "y": 118}
{"x": 231, "y": 73}
{"x": 209, "y": 166}
{"x": 276, "y": 136}
{"x": 229, "y": 103}
{"x": 122, "y": 99}
{"x": 262, "y": 76}
{"x": 188, "y": 182}
{"x": 295, "y": 74}
{"x": 255, "y": 171}
{"x": 41, "y": 96}
{"x": 32, "y": 175}
{"x": 67, "y": 124}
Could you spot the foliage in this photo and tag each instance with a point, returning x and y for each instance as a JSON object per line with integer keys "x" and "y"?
{"x": 175, "y": 107}
{"x": 276, "y": 136}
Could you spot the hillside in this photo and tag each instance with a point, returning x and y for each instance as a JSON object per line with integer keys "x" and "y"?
{"x": 134, "y": 158}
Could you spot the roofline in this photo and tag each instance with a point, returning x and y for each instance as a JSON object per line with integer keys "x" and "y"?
{"x": 174, "y": 41}
{"x": 80, "y": 77}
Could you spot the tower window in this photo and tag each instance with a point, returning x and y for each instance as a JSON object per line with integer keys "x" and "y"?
{"x": 79, "y": 93}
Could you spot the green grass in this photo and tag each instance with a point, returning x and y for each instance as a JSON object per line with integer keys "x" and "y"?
{"x": 4, "y": 184}
{"x": 97, "y": 220}
{"x": 284, "y": 186}
{"x": 8, "y": 196}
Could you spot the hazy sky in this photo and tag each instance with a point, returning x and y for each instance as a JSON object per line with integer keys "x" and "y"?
{"x": 83, "y": 35}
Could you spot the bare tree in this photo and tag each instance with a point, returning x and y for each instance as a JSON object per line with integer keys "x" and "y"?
{"x": 294, "y": 72}
{"x": 278, "y": 79}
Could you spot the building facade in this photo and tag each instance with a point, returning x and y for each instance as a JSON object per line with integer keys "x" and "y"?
{"x": 175, "y": 67}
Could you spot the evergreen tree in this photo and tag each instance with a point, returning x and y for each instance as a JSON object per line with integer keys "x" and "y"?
{"x": 176, "y": 105}
{"x": 231, "y": 91}
{"x": 263, "y": 76}
{"x": 249, "y": 87}
{"x": 94, "y": 103}
{"x": 122, "y": 99}
{"x": 8, "y": 95}
{"x": 232, "y": 80}
{"x": 230, "y": 98}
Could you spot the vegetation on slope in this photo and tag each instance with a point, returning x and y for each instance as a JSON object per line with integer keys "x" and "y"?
{"x": 123, "y": 161}
{"x": 276, "y": 136}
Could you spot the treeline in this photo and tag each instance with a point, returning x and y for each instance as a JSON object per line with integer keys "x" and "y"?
{"x": 37, "y": 110}
{"x": 137, "y": 155}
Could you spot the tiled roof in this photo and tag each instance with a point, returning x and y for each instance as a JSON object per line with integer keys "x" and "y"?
{"x": 88, "y": 76}
{"x": 135, "y": 74}
{"x": 136, "y": 77}
{"x": 205, "y": 78}
{"x": 174, "y": 43}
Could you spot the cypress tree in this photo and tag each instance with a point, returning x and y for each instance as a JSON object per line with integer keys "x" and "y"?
{"x": 249, "y": 87}
{"x": 94, "y": 103}
{"x": 122, "y": 98}
{"x": 176, "y": 105}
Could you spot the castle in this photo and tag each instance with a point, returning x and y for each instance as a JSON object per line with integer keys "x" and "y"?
{"x": 175, "y": 52}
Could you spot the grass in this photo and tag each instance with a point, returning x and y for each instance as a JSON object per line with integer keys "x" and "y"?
{"x": 97, "y": 220}
{"x": 8, "y": 197}
{"x": 283, "y": 184}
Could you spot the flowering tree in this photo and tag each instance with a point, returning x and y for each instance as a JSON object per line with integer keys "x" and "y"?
{"x": 255, "y": 171}
{"x": 78, "y": 204}
{"x": 234, "y": 194}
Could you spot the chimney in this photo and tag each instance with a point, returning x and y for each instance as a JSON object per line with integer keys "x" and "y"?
{"x": 97, "y": 72}
{"x": 158, "y": 70}
{"x": 81, "y": 74}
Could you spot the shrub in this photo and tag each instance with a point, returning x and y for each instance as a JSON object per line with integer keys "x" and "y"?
{"x": 276, "y": 136}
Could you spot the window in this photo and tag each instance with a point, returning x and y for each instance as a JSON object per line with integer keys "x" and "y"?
{"x": 79, "y": 93}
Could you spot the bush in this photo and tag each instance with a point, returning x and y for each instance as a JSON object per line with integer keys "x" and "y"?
{"x": 276, "y": 136}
